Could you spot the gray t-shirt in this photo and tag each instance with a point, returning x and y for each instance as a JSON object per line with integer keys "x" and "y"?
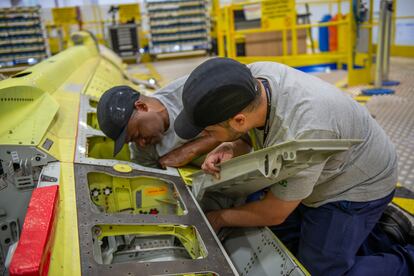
{"x": 305, "y": 107}
{"x": 170, "y": 97}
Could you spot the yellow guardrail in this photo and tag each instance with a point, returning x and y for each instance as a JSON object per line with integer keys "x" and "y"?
{"x": 357, "y": 63}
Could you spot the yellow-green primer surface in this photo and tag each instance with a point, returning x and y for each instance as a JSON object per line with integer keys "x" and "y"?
{"x": 137, "y": 195}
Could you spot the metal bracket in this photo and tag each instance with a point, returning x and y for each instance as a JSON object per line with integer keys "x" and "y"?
{"x": 252, "y": 172}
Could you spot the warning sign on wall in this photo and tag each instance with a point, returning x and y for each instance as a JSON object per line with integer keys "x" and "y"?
{"x": 278, "y": 13}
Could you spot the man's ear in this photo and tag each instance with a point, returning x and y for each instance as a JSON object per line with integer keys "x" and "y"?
{"x": 238, "y": 121}
{"x": 141, "y": 106}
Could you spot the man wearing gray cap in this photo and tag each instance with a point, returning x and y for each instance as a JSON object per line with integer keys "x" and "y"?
{"x": 326, "y": 213}
{"x": 146, "y": 123}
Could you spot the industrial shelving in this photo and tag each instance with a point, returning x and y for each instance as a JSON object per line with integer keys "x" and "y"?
{"x": 178, "y": 26}
{"x": 22, "y": 40}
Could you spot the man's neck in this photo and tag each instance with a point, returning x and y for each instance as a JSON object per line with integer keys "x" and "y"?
{"x": 165, "y": 118}
{"x": 261, "y": 111}
{"x": 160, "y": 108}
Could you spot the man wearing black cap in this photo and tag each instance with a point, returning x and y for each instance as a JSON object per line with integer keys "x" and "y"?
{"x": 125, "y": 115}
{"x": 324, "y": 213}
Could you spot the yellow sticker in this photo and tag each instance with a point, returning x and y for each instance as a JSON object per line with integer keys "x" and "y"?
{"x": 277, "y": 14}
{"x": 124, "y": 168}
{"x": 155, "y": 191}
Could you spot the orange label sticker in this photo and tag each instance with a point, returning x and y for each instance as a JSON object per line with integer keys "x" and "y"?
{"x": 155, "y": 191}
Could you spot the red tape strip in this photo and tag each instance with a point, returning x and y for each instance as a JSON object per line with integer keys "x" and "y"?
{"x": 32, "y": 255}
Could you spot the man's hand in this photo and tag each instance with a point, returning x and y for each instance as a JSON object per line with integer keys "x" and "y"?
{"x": 214, "y": 217}
{"x": 179, "y": 157}
{"x": 218, "y": 155}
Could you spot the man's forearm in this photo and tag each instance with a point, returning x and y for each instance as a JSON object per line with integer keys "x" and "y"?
{"x": 266, "y": 212}
{"x": 248, "y": 215}
{"x": 188, "y": 152}
{"x": 202, "y": 145}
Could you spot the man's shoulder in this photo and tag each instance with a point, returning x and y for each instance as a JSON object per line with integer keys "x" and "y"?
{"x": 175, "y": 86}
{"x": 272, "y": 71}
{"x": 263, "y": 65}
{"x": 171, "y": 95}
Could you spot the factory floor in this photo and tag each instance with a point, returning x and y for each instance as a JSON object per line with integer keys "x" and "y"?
{"x": 395, "y": 113}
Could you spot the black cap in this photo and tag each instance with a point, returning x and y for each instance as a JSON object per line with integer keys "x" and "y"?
{"x": 115, "y": 107}
{"x": 216, "y": 90}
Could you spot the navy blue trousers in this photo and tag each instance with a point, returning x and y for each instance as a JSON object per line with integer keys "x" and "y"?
{"x": 342, "y": 238}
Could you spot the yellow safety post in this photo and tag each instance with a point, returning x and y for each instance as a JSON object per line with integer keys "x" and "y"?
{"x": 232, "y": 37}
{"x": 357, "y": 76}
{"x": 218, "y": 20}
{"x": 350, "y": 41}
{"x": 229, "y": 40}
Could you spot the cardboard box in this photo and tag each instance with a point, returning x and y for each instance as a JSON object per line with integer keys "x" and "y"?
{"x": 270, "y": 43}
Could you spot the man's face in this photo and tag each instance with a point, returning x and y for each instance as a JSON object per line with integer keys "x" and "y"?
{"x": 145, "y": 128}
{"x": 223, "y": 133}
